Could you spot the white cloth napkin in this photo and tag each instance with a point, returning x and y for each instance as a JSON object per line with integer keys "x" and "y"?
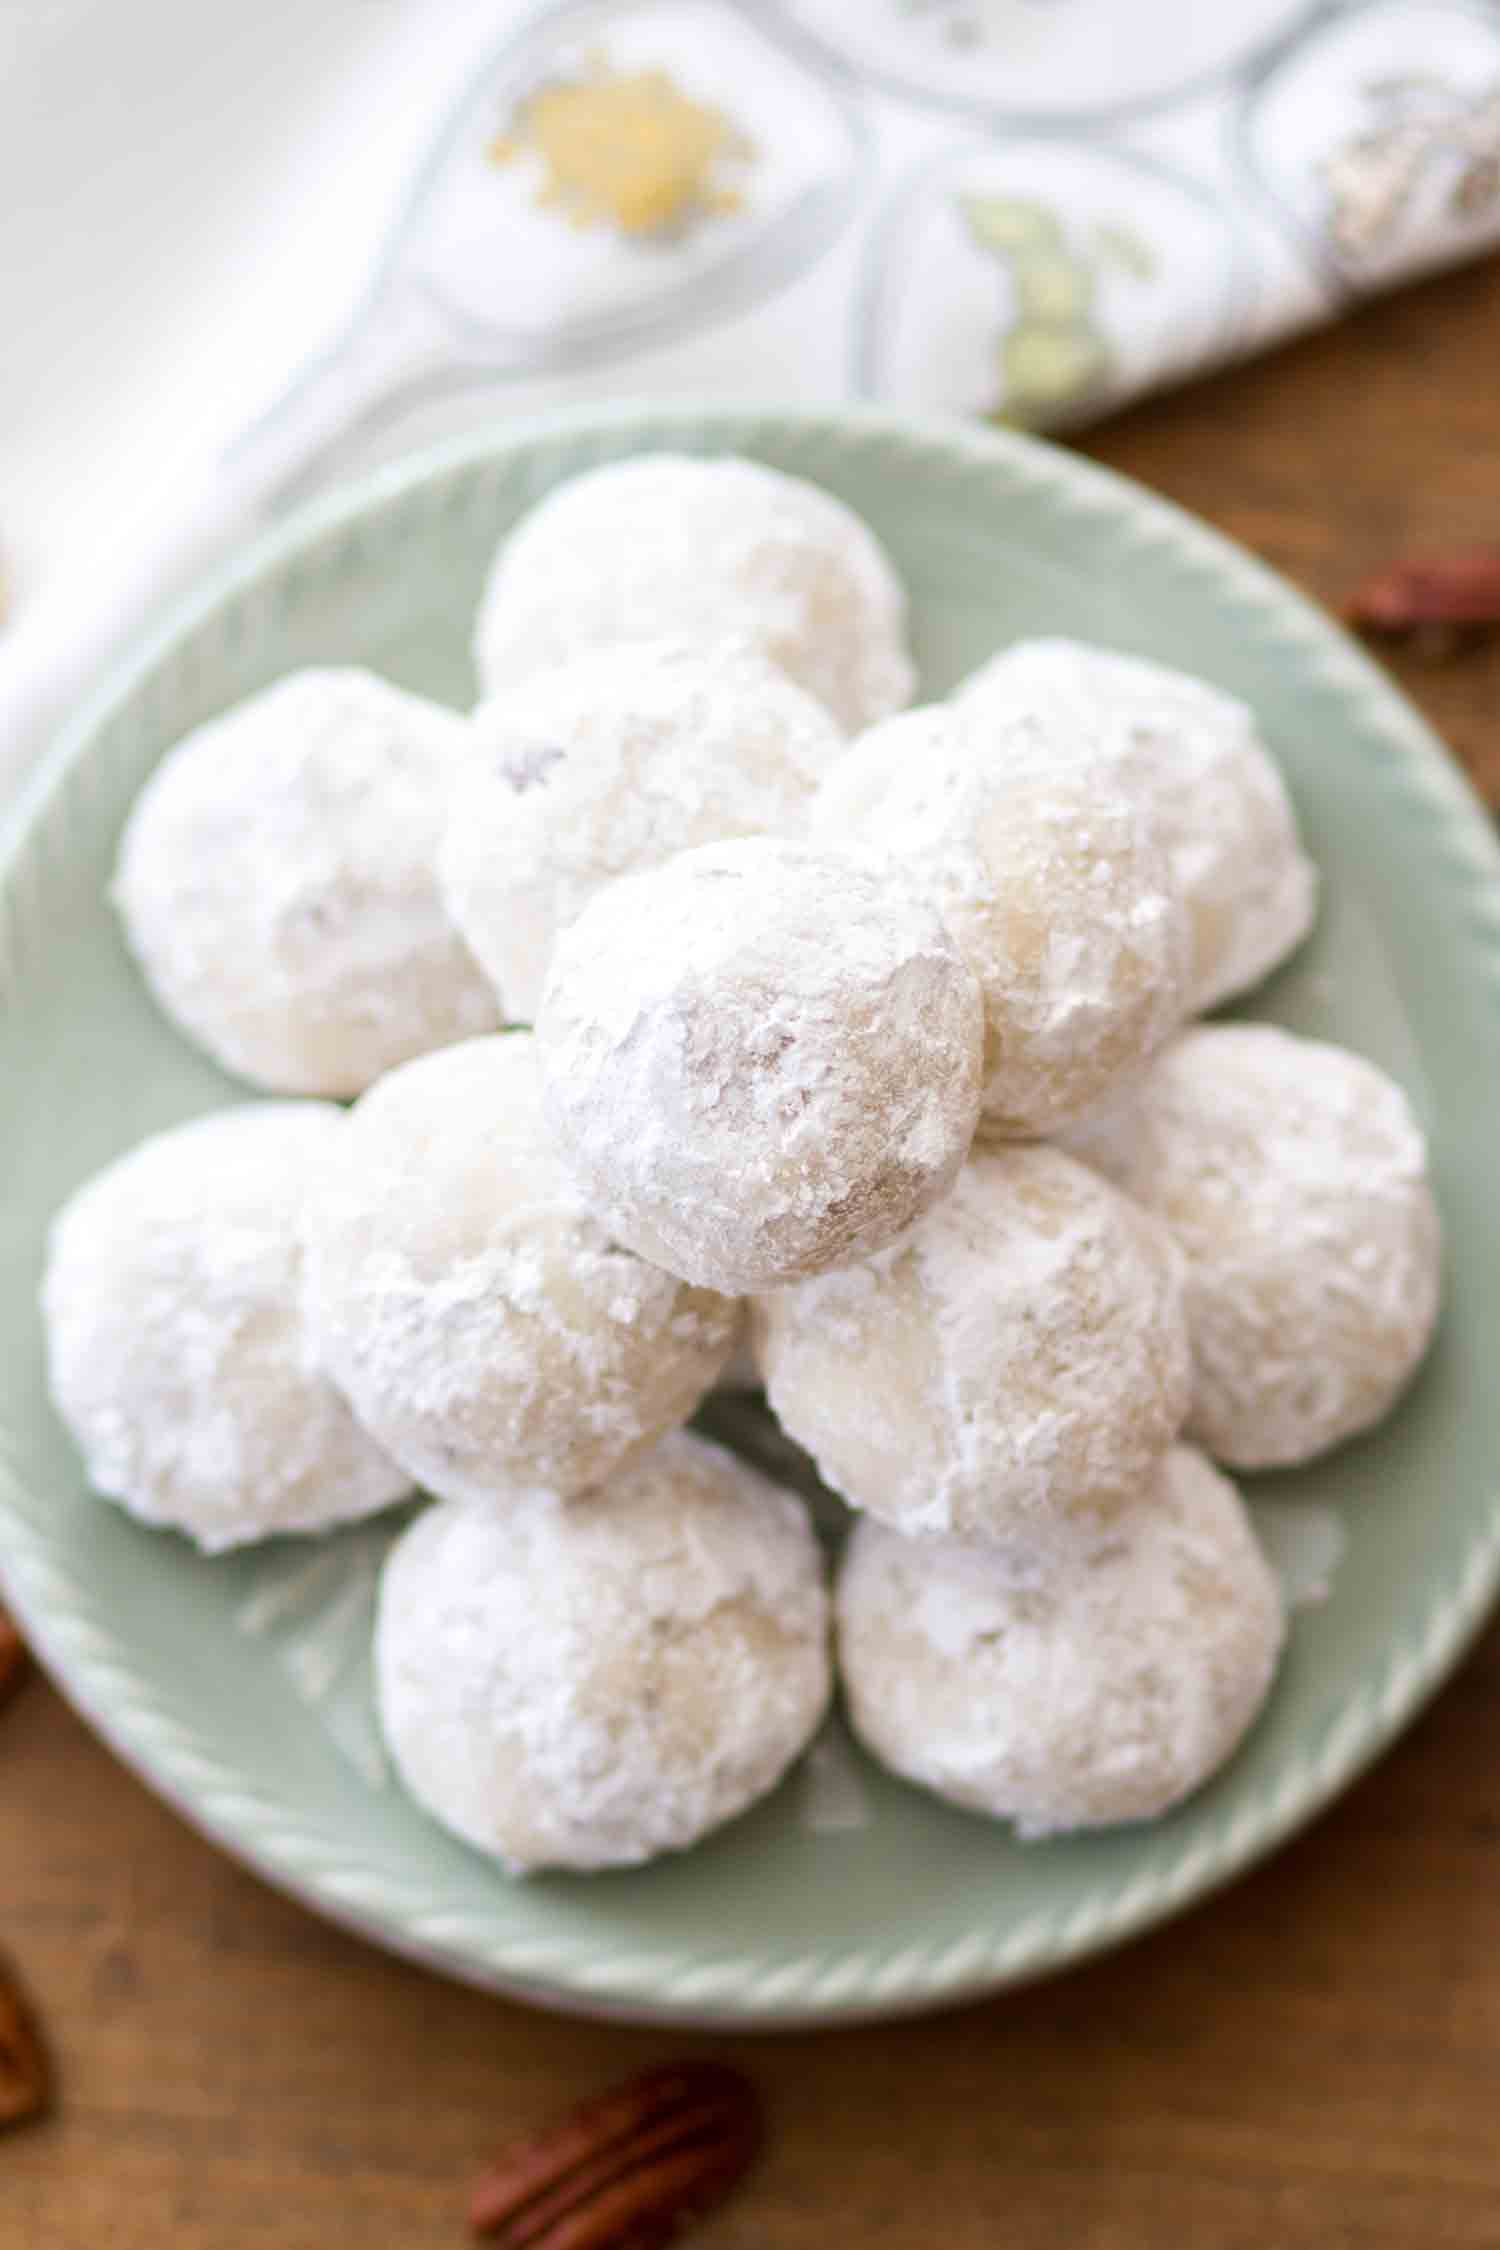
{"x": 1031, "y": 209}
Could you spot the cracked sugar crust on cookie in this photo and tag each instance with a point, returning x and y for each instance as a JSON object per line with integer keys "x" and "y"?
{"x": 761, "y": 1060}
{"x": 706, "y": 550}
{"x": 1104, "y": 1691}
{"x": 1011, "y": 1367}
{"x": 177, "y": 1350}
{"x": 1195, "y": 758}
{"x": 276, "y": 883}
{"x": 1055, "y": 888}
{"x": 586, "y": 1684}
{"x": 485, "y": 1325}
{"x": 1293, "y": 1176}
{"x": 608, "y": 764}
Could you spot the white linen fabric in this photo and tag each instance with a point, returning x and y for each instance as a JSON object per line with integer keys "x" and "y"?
{"x": 1024, "y": 209}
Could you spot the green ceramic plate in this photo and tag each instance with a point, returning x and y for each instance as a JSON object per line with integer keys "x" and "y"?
{"x": 239, "y": 1688}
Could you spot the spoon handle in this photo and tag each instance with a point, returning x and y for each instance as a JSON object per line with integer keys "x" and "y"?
{"x": 391, "y": 345}
{"x": 51, "y": 654}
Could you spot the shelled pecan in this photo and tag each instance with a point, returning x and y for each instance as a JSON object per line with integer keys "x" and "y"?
{"x": 25, "y": 2080}
{"x": 627, "y": 2170}
{"x": 1439, "y": 601}
{"x": 13, "y": 1658}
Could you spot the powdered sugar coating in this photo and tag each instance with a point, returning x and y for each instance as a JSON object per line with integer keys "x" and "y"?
{"x": 586, "y": 1684}
{"x": 1055, "y": 888}
{"x": 1103, "y": 1692}
{"x": 706, "y": 550}
{"x": 177, "y": 1353}
{"x": 277, "y": 888}
{"x": 1016, "y": 1361}
{"x": 761, "y": 1060}
{"x": 1293, "y": 1176}
{"x": 1194, "y": 757}
{"x": 608, "y": 764}
{"x": 481, "y": 1321}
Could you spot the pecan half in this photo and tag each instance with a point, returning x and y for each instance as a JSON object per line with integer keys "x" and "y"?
{"x": 25, "y": 2080}
{"x": 12, "y": 1657}
{"x": 1460, "y": 591}
{"x": 627, "y": 2170}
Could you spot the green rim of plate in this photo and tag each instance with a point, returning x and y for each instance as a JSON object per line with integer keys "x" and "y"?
{"x": 561, "y": 1943}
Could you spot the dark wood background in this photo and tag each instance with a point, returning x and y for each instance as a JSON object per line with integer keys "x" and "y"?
{"x": 1311, "y": 2062}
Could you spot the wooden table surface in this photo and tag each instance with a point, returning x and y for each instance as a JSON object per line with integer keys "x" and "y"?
{"x": 1312, "y": 2059}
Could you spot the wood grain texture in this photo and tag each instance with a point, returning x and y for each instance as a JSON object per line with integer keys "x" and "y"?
{"x": 1310, "y": 2062}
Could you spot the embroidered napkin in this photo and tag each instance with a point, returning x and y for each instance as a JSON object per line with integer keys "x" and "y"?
{"x": 1029, "y": 210}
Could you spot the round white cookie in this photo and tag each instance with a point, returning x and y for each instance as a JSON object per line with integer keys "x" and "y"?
{"x": 704, "y": 550}
{"x": 761, "y": 1060}
{"x": 276, "y": 882}
{"x": 1055, "y": 888}
{"x": 1104, "y": 1691}
{"x": 177, "y": 1353}
{"x": 608, "y": 764}
{"x": 484, "y": 1325}
{"x": 1194, "y": 756}
{"x": 586, "y": 1684}
{"x": 1015, "y": 1362}
{"x": 1293, "y": 1177}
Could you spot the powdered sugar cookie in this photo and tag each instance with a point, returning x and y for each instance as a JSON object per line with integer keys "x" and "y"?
{"x": 705, "y": 550}
{"x": 1016, "y": 1361}
{"x": 1293, "y": 1177}
{"x": 177, "y": 1352}
{"x": 585, "y": 1684}
{"x": 1056, "y": 890}
{"x": 483, "y": 1323}
{"x": 1194, "y": 757}
{"x": 1104, "y": 1691}
{"x": 277, "y": 886}
{"x": 609, "y": 764}
{"x": 761, "y": 1060}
